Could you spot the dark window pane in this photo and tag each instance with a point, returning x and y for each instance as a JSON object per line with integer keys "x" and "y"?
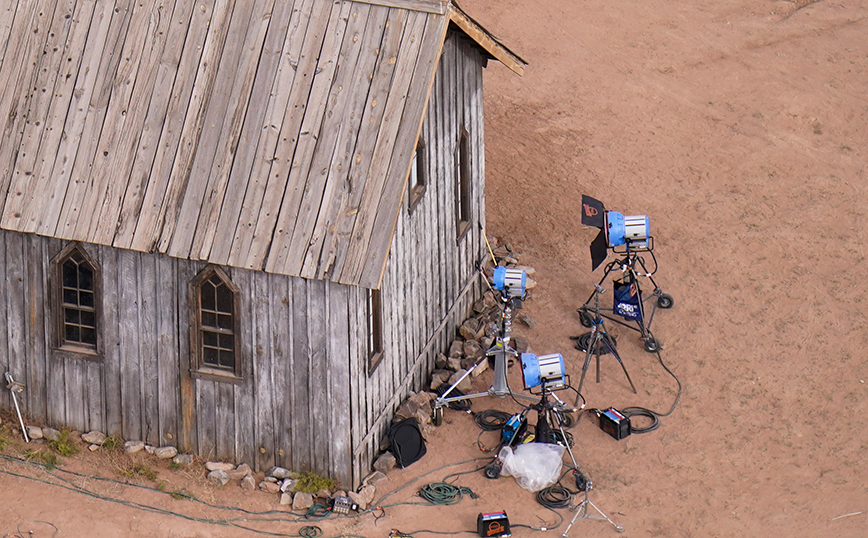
{"x": 227, "y": 341}
{"x": 85, "y": 278}
{"x": 88, "y": 336}
{"x": 70, "y": 315}
{"x": 88, "y": 319}
{"x": 70, "y": 296}
{"x": 85, "y": 298}
{"x": 209, "y": 355}
{"x": 224, "y": 299}
{"x": 72, "y": 334}
{"x": 227, "y": 359}
{"x": 70, "y": 274}
{"x": 225, "y": 322}
{"x": 209, "y": 319}
{"x": 208, "y": 302}
{"x": 209, "y": 338}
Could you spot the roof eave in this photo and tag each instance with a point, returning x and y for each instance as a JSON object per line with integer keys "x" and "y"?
{"x": 486, "y": 40}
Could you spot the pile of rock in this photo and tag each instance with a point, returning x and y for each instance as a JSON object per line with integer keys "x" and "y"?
{"x": 221, "y": 473}
{"x": 283, "y": 482}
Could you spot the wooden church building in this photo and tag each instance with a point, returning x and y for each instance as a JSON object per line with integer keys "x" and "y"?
{"x": 244, "y": 228}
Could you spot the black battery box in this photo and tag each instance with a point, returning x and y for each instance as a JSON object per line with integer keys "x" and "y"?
{"x": 615, "y": 423}
{"x": 493, "y": 524}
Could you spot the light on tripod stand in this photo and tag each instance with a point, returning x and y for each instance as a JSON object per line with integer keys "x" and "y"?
{"x": 546, "y": 371}
{"x": 511, "y": 282}
{"x": 616, "y": 230}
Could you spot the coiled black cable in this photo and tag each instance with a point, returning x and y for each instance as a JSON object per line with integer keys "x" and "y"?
{"x": 491, "y": 420}
{"x": 554, "y": 497}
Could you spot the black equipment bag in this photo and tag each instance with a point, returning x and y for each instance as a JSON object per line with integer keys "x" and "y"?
{"x": 406, "y": 442}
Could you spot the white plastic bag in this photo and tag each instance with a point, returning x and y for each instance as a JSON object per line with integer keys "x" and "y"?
{"x": 534, "y": 465}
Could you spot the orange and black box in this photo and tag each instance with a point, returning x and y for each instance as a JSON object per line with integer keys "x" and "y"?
{"x": 493, "y": 524}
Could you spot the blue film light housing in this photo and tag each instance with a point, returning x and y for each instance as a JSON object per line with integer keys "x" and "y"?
{"x": 510, "y": 281}
{"x": 545, "y": 371}
{"x": 633, "y": 229}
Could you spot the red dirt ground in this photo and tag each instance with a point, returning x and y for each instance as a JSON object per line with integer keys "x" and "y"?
{"x": 738, "y": 127}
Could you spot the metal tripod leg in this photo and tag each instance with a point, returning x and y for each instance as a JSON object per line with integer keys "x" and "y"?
{"x": 582, "y": 513}
{"x": 600, "y": 337}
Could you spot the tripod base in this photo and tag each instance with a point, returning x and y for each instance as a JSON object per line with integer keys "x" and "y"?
{"x": 582, "y": 513}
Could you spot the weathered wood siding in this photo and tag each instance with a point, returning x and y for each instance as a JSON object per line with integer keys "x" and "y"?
{"x": 430, "y": 282}
{"x": 289, "y": 410}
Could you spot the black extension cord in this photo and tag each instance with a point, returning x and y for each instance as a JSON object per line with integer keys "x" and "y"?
{"x": 554, "y": 497}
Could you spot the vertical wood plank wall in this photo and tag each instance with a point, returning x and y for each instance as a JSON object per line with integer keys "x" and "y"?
{"x": 430, "y": 282}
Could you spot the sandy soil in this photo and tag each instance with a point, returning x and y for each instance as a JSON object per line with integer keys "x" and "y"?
{"x": 738, "y": 128}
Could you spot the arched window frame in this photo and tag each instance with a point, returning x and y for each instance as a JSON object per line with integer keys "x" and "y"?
{"x": 201, "y": 367}
{"x": 62, "y": 307}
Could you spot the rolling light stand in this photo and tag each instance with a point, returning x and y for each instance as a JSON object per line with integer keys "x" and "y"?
{"x": 629, "y": 266}
{"x": 511, "y": 285}
{"x": 600, "y": 342}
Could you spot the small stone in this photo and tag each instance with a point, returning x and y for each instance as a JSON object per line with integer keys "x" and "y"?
{"x": 530, "y": 283}
{"x": 438, "y": 377}
{"x": 373, "y": 478}
{"x": 527, "y": 269}
{"x": 287, "y": 485}
{"x": 218, "y": 466}
{"x": 270, "y": 479}
{"x": 183, "y": 459}
{"x": 357, "y": 498}
{"x": 406, "y": 410}
{"x": 219, "y": 476}
{"x": 485, "y": 342}
{"x": 278, "y": 472}
{"x": 269, "y": 487}
{"x": 367, "y": 493}
{"x": 93, "y": 448}
{"x": 489, "y": 299}
{"x": 471, "y": 329}
{"x": 473, "y": 349}
{"x": 323, "y": 493}
{"x": 340, "y": 493}
{"x": 464, "y": 385}
{"x": 480, "y": 368}
{"x": 240, "y": 472}
{"x": 440, "y": 362}
{"x": 34, "y": 432}
{"x": 94, "y": 438}
{"x": 51, "y": 434}
{"x": 248, "y": 483}
{"x": 456, "y": 348}
{"x": 385, "y": 463}
{"x": 285, "y": 499}
{"x": 166, "y": 452}
{"x": 453, "y": 363}
{"x": 150, "y": 449}
{"x": 479, "y": 306}
{"x": 468, "y": 363}
{"x": 528, "y": 321}
{"x": 131, "y": 447}
{"x": 302, "y": 500}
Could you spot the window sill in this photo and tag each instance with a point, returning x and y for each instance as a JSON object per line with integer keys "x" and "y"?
{"x": 69, "y": 351}
{"x": 215, "y": 374}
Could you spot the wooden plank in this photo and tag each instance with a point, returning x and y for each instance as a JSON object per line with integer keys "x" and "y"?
{"x": 205, "y": 207}
{"x": 35, "y": 255}
{"x": 149, "y": 338}
{"x": 318, "y": 330}
{"x": 129, "y": 348}
{"x": 16, "y": 312}
{"x": 338, "y": 368}
{"x": 282, "y": 336}
{"x": 245, "y": 393}
{"x": 206, "y": 418}
{"x": 87, "y": 39}
{"x": 111, "y": 368}
{"x": 195, "y": 117}
{"x": 279, "y": 95}
{"x": 167, "y": 349}
{"x": 129, "y": 109}
{"x": 187, "y": 320}
{"x": 267, "y": 230}
{"x": 16, "y": 82}
{"x": 330, "y": 93}
{"x": 102, "y": 106}
{"x": 366, "y": 137}
{"x": 25, "y": 182}
{"x": 428, "y": 6}
{"x": 253, "y": 132}
{"x": 94, "y": 404}
{"x": 7, "y": 18}
{"x": 5, "y": 313}
{"x": 155, "y": 121}
{"x": 395, "y": 171}
{"x": 301, "y": 363}
{"x": 75, "y": 389}
{"x": 225, "y": 415}
{"x": 239, "y": 106}
{"x": 358, "y": 375}
{"x": 320, "y": 254}
{"x": 268, "y": 379}
{"x": 179, "y": 69}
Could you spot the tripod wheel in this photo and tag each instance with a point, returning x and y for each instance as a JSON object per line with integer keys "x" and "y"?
{"x": 665, "y": 301}
{"x": 585, "y": 319}
{"x": 437, "y": 419}
{"x": 652, "y": 345}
